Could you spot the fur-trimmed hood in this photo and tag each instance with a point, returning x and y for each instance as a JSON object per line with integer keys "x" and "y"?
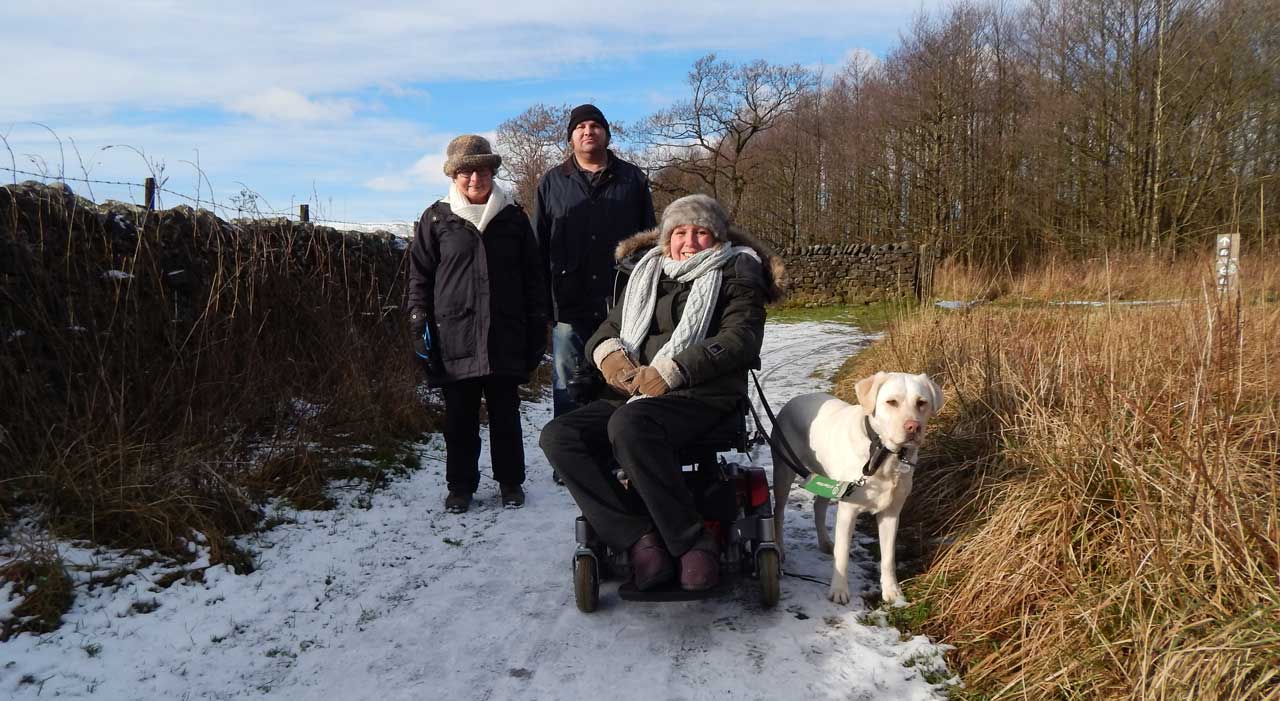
{"x": 774, "y": 271}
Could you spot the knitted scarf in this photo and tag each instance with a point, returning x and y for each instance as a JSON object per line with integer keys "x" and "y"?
{"x": 704, "y": 269}
{"x": 478, "y": 214}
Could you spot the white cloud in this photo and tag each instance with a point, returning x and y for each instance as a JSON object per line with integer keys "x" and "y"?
{"x": 394, "y": 90}
{"x": 286, "y": 163}
{"x": 333, "y": 91}
{"x": 148, "y": 54}
{"x": 430, "y": 168}
{"x": 278, "y": 104}
{"x": 864, "y": 58}
{"x": 389, "y": 183}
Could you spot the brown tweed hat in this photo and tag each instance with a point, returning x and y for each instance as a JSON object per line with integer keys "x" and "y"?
{"x": 470, "y": 152}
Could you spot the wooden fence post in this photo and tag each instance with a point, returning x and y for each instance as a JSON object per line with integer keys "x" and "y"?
{"x": 304, "y": 213}
{"x": 149, "y": 185}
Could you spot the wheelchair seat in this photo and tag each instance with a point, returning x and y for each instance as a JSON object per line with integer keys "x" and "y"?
{"x": 729, "y": 434}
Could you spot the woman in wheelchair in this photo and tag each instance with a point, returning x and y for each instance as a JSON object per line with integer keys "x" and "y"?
{"x": 674, "y": 353}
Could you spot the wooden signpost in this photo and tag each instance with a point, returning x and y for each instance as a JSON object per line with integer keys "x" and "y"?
{"x": 1226, "y": 267}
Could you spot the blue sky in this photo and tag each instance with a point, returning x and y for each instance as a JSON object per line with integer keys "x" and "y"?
{"x": 348, "y": 106}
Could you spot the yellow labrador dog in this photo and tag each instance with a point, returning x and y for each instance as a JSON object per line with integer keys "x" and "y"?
{"x": 831, "y": 438}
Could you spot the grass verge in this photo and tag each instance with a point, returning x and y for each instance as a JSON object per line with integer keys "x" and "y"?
{"x": 1107, "y": 481}
{"x": 35, "y": 577}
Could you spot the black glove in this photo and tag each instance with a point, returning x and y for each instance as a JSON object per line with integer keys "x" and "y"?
{"x": 423, "y": 347}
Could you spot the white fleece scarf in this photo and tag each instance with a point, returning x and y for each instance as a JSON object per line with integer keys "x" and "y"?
{"x": 478, "y": 214}
{"x": 705, "y": 269}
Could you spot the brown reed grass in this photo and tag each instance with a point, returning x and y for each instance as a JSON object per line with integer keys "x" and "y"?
{"x": 38, "y": 578}
{"x": 1108, "y": 482}
{"x": 1112, "y": 276}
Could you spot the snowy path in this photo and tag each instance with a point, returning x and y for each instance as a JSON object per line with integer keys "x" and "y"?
{"x": 399, "y": 600}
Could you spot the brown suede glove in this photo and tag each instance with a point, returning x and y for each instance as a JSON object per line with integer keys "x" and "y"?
{"x": 649, "y": 382}
{"x": 619, "y": 371}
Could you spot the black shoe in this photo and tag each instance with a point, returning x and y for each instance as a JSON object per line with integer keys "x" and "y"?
{"x": 512, "y": 495}
{"x": 457, "y": 502}
{"x": 555, "y": 477}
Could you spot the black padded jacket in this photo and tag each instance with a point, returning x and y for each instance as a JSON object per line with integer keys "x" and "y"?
{"x": 484, "y": 294}
{"x": 715, "y": 367}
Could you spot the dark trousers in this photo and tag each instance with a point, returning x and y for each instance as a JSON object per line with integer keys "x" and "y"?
{"x": 645, "y": 437}
{"x": 462, "y": 431}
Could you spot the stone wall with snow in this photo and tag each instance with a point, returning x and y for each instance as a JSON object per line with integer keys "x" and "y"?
{"x": 164, "y": 309}
{"x": 853, "y": 273}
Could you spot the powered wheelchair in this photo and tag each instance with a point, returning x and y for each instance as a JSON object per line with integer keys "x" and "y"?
{"x": 734, "y": 499}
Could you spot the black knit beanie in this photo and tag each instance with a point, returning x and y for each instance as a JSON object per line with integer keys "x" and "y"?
{"x": 582, "y": 113}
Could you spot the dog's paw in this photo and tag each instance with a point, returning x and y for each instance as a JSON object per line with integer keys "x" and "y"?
{"x": 892, "y": 595}
{"x": 839, "y": 595}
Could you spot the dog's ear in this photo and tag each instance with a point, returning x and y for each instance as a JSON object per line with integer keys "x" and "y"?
{"x": 867, "y": 389}
{"x": 936, "y": 400}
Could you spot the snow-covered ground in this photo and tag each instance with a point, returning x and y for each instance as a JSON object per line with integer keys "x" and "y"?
{"x": 390, "y": 598}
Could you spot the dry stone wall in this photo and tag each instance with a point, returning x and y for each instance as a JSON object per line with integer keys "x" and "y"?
{"x": 851, "y": 273}
{"x": 173, "y": 311}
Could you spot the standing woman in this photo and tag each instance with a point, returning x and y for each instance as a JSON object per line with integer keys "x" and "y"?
{"x": 478, "y": 316}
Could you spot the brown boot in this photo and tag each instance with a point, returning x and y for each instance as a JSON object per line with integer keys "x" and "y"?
{"x": 512, "y": 495}
{"x": 457, "y": 502}
{"x": 651, "y": 564}
{"x": 700, "y": 566}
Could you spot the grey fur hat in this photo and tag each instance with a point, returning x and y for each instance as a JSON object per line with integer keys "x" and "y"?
{"x": 699, "y": 210}
{"x": 470, "y": 151}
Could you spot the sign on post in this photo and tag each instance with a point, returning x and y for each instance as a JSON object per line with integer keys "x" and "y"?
{"x": 1227, "y": 265}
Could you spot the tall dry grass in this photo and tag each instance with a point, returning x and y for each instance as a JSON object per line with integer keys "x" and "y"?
{"x": 1123, "y": 276}
{"x": 1108, "y": 482}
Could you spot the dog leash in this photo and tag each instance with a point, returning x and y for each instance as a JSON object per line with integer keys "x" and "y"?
{"x": 820, "y": 485}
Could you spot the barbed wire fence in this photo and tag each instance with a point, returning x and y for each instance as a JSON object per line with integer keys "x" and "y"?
{"x": 151, "y": 191}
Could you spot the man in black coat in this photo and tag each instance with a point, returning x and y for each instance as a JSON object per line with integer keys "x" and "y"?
{"x": 585, "y": 206}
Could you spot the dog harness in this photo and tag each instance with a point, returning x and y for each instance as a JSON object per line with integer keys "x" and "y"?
{"x": 822, "y": 485}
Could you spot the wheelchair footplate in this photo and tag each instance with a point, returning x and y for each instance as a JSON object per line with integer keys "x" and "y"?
{"x": 671, "y": 591}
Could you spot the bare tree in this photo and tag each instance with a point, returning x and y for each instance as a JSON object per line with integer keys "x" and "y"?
{"x": 530, "y": 143}
{"x": 1000, "y": 133}
{"x": 708, "y": 135}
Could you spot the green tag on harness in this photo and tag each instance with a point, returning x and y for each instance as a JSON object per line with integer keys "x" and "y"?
{"x": 825, "y": 487}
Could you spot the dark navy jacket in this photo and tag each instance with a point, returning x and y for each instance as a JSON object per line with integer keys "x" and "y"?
{"x": 578, "y": 227}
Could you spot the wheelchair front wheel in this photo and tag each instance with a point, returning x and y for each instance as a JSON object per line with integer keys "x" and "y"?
{"x": 768, "y": 571}
{"x": 586, "y": 583}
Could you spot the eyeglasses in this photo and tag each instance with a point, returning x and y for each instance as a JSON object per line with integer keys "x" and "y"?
{"x": 468, "y": 172}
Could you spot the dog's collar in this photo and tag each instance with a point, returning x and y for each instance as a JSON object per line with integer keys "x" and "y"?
{"x": 878, "y": 452}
